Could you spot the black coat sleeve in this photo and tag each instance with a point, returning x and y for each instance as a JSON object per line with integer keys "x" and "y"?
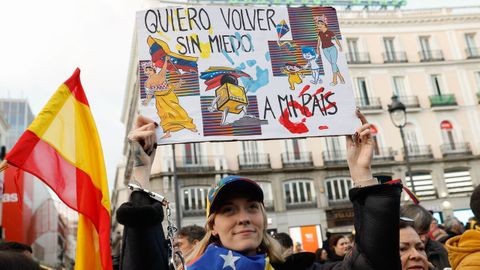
{"x": 377, "y": 216}
{"x": 144, "y": 244}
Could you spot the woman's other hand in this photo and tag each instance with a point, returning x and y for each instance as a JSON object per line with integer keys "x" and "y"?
{"x": 360, "y": 153}
{"x": 143, "y": 142}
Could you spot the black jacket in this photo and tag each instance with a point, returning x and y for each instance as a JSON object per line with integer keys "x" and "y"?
{"x": 437, "y": 254}
{"x": 377, "y": 214}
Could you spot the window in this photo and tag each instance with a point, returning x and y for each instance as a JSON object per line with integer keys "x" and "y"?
{"x": 470, "y": 40}
{"x": 267, "y": 191}
{"x": 388, "y": 42}
{"x": 477, "y": 79}
{"x": 436, "y": 84}
{"x": 423, "y": 183}
{"x": 299, "y": 191}
{"x": 363, "y": 92}
{"x": 193, "y": 154}
{"x": 335, "y": 148}
{"x": 399, "y": 86}
{"x": 250, "y": 152}
{"x": 411, "y": 139}
{"x": 458, "y": 182}
{"x": 426, "y": 52}
{"x": 447, "y": 134}
{"x": 374, "y": 133}
{"x": 352, "y": 44}
{"x": 337, "y": 188}
{"x": 194, "y": 198}
{"x": 293, "y": 149}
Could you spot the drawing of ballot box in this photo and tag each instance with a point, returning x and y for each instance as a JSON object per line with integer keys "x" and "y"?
{"x": 231, "y": 96}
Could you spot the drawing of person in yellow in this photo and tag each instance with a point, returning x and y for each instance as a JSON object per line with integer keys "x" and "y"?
{"x": 172, "y": 115}
{"x": 295, "y": 74}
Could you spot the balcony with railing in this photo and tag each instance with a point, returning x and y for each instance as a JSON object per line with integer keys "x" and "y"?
{"x": 334, "y": 158}
{"x": 254, "y": 161}
{"x": 195, "y": 164}
{"x": 419, "y": 152}
{"x": 297, "y": 159}
{"x": 358, "y": 58}
{"x": 472, "y": 53}
{"x": 442, "y": 100}
{"x": 383, "y": 154}
{"x": 410, "y": 102}
{"x": 394, "y": 57}
{"x": 300, "y": 205}
{"x": 431, "y": 55}
{"x": 368, "y": 103}
{"x": 456, "y": 149}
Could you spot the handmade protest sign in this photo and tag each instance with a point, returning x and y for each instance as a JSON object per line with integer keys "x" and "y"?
{"x": 219, "y": 73}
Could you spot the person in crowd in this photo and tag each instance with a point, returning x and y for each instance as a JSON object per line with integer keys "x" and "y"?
{"x": 472, "y": 223}
{"x": 14, "y": 260}
{"x": 453, "y": 227}
{"x": 16, "y": 247}
{"x": 298, "y": 248}
{"x": 321, "y": 256}
{"x": 116, "y": 246}
{"x": 340, "y": 245}
{"x": 464, "y": 250}
{"x": 286, "y": 243}
{"x": 188, "y": 237}
{"x": 325, "y": 242}
{"x": 436, "y": 253}
{"x": 412, "y": 248}
{"x": 236, "y": 228}
{"x": 435, "y": 232}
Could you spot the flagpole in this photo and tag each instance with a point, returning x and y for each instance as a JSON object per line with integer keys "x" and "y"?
{"x": 177, "y": 190}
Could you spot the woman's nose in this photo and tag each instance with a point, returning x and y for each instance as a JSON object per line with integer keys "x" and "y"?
{"x": 414, "y": 254}
{"x": 243, "y": 217}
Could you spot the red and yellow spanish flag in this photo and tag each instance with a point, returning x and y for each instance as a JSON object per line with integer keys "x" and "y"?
{"x": 62, "y": 148}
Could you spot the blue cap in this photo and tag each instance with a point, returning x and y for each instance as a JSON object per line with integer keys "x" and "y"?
{"x": 233, "y": 183}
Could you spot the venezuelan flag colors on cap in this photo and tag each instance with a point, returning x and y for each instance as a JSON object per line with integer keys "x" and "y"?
{"x": 233, "y": 183}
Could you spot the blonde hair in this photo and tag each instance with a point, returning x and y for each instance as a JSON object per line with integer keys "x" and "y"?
{"x": 269, "y": 245}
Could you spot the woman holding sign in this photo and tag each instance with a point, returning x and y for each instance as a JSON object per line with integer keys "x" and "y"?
{"x": 236, "y": 223}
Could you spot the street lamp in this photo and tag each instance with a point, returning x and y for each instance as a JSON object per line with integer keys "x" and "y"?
{"x": 398, "y": 115}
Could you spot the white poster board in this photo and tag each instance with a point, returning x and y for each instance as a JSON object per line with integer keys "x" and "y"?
{"x": 219, "y": 73}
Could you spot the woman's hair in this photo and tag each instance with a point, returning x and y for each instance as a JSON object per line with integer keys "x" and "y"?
{"x": 13, "y": 260}
{"x": 318, "y": 254}
{"x": 269, "y": 245}
{"x": 422, "y": 218}
{"x": 332, "y": 242}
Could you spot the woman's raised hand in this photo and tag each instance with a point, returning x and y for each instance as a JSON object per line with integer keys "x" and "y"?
{"x": 143, "y": 142}
{"x": 360, "y": 152}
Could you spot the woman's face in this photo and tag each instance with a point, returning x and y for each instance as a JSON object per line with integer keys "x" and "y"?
{"x": 239, "y": 223}
{"x": 149, "y": 71}
{"x": 322, "y": 26}
{"x": 412, "y": 250}
{"x": 324, "y": 255}
{"x": 343, "y": 246}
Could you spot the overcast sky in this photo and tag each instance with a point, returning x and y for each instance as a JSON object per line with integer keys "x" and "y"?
{"x": 42, "y": 42}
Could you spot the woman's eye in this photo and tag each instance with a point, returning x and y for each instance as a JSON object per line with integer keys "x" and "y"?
{"x": 227, "y": 210}
{"x": 254, "y": 206}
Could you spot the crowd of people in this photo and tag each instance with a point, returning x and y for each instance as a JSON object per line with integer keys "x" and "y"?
{"x": 387, "y": 236}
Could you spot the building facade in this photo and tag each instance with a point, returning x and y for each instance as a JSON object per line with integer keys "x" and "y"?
{"x": 429, "y": 58}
